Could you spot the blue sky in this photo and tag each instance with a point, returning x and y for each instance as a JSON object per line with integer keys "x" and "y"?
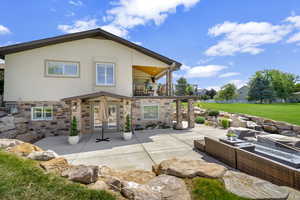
{"x": 217, "y": 41}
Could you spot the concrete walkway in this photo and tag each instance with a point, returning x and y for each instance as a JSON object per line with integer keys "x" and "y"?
{"x": 145, "y": 149}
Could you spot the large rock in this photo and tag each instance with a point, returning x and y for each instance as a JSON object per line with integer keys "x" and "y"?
{"x": 296, "y": 129}
{"x": 24, "y": 149}
{"x": 83, "y": 174}
{"x": 135, "y": 191}
{"x": 5, "y": 143}
{"x": 253, "y": 125}
{"x": 294, "y": 194}
{"x": 251, "y": 187}
{"x": 7, "y": 123}
{"x": 42, "y": 155}
{"x": 98, "y": 185}
{"x": 283, "y": 126}
{"x": 56, "y": 165}
{"x": 270, "y": 128}
{"x": 138, "y": 176}
{"x": 190, "y": 168}
{"x": 238, "y": 121}
{"x": 243, "y": 132}
{"x": 170, "y": 187}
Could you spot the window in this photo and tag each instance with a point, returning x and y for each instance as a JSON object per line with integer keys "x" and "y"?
{"x": 41, "y": 113}
{"x": 105, "y": 74}
{"x": 63, "y": 69}
{"x": 151, "y": 112}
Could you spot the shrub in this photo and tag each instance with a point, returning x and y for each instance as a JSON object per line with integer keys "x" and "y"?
{"x": 200, "y": 120}
{"x": 213, "y": 113}
{"x": 128, "y": 124}
{"x": 231, "y": 135}
{"x": 74, "y": 131}
{"x": 225, "y": 123}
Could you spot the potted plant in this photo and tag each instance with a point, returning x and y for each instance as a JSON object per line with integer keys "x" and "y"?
{"x": 231, "y": 136}
{"x": 74, "y": 133}
{"x": 127, "y": 134}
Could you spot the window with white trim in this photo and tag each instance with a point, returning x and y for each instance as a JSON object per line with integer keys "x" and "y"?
{"x": 62, "y": 69}
{"x": 105, "y": 74}
{"x": 41, "y": 113}
{"x": 150, "y": 112}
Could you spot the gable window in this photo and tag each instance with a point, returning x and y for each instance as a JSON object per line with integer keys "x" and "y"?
{"x": 62, "y": 69}
{"x": 150, "y": 112}
{"x": 105, "y": 74}
{"x": 41, "y": 113}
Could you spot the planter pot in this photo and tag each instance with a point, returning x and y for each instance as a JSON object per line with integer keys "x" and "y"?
{"x": 127, "y": 135}
{"x": 73, "y": 139}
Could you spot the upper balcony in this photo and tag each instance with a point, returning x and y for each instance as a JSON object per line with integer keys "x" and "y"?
{"x": 152, "y": 81}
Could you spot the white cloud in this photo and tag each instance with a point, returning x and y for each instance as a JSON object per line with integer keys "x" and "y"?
{"x": 185, "y": 67}
{"x": 4, "y": 30}
{"x": 76, "y": 3}
{"x": 238, "y": 83}
{"x": 119, "y": 31}
{"x": 229, "y": 74}
{"x": 127, "y": 14}
{"x": 295, "y": 20}
{"x": 70, "y": 14}
{"x": 217, "y": 88}
{"x": 245, "y": 38}
{"x": 79, "y": 25}
{"x": 204, "y": 71}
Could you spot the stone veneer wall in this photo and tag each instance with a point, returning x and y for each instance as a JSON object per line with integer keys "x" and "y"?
{"x": 86, "y": 108}
{"x": 165, "y": 111}
{"x": 58, "y": 126}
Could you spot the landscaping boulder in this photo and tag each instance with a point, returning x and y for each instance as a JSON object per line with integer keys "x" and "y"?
{"x": 42, "y": 155}
{"x": 56, "y": 165}
{"x": 270, "y": 128}
{"x": 258, "y": 120}
{"x": 253, "y": 125}
{"x": 6, "y": 143}
{"x": 293, "y": 194}
{"x": 283, "y": 126}
{"x": 138, "y": 176}
{"x": 288, "y": 133}
{"x": 251, "y": 187}
{"x": 98, "y": 185}
{"x": 190, "y": 168}
{"x": 83, "y": 174}
{"x": 135, "y": 191}
{"x": 275, "y": 138}
{"x": 24, "y": 149}
{"x": 243, "y": 132}
{"x": 170, "y": 187}
{"x": 238, "y": 121}
{"x": 296, "y": 129}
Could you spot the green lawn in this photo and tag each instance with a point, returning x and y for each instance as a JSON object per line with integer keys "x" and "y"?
{"x": 280, "y": 112}
{"x": 21, "y": 179}
{"x": 211, "y": 189}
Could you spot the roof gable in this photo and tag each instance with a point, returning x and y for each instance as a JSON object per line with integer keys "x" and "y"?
{"x": 81, "y": 35}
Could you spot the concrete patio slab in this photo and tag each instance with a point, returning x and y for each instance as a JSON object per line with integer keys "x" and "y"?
{"x": 145, "y": 149}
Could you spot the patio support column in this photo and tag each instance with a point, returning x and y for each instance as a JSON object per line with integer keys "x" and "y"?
{"x": 76, "y": 112}
{"x": 167, "y": 83}
{"x": 171, "y": 83}
{"x": 178, "y": 115}
{"x": 191, "y": 114}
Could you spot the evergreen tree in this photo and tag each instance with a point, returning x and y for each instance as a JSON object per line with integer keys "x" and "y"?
{"x": 181, "y": 87}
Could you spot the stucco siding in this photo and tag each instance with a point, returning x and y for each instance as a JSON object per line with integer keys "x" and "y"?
{"x": 25, "y": 71}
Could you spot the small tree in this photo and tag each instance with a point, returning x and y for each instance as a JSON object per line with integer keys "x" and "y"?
{"x": 181, "y": 87}
{"x": 74, "y": 131}
{"x": 128, "y": 124}
{"x": 227, "y": 92}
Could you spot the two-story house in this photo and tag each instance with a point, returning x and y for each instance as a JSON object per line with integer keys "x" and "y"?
{"x": 50, "y": 80}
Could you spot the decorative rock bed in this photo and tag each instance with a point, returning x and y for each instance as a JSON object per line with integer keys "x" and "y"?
{"x": 164, "y": 183}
